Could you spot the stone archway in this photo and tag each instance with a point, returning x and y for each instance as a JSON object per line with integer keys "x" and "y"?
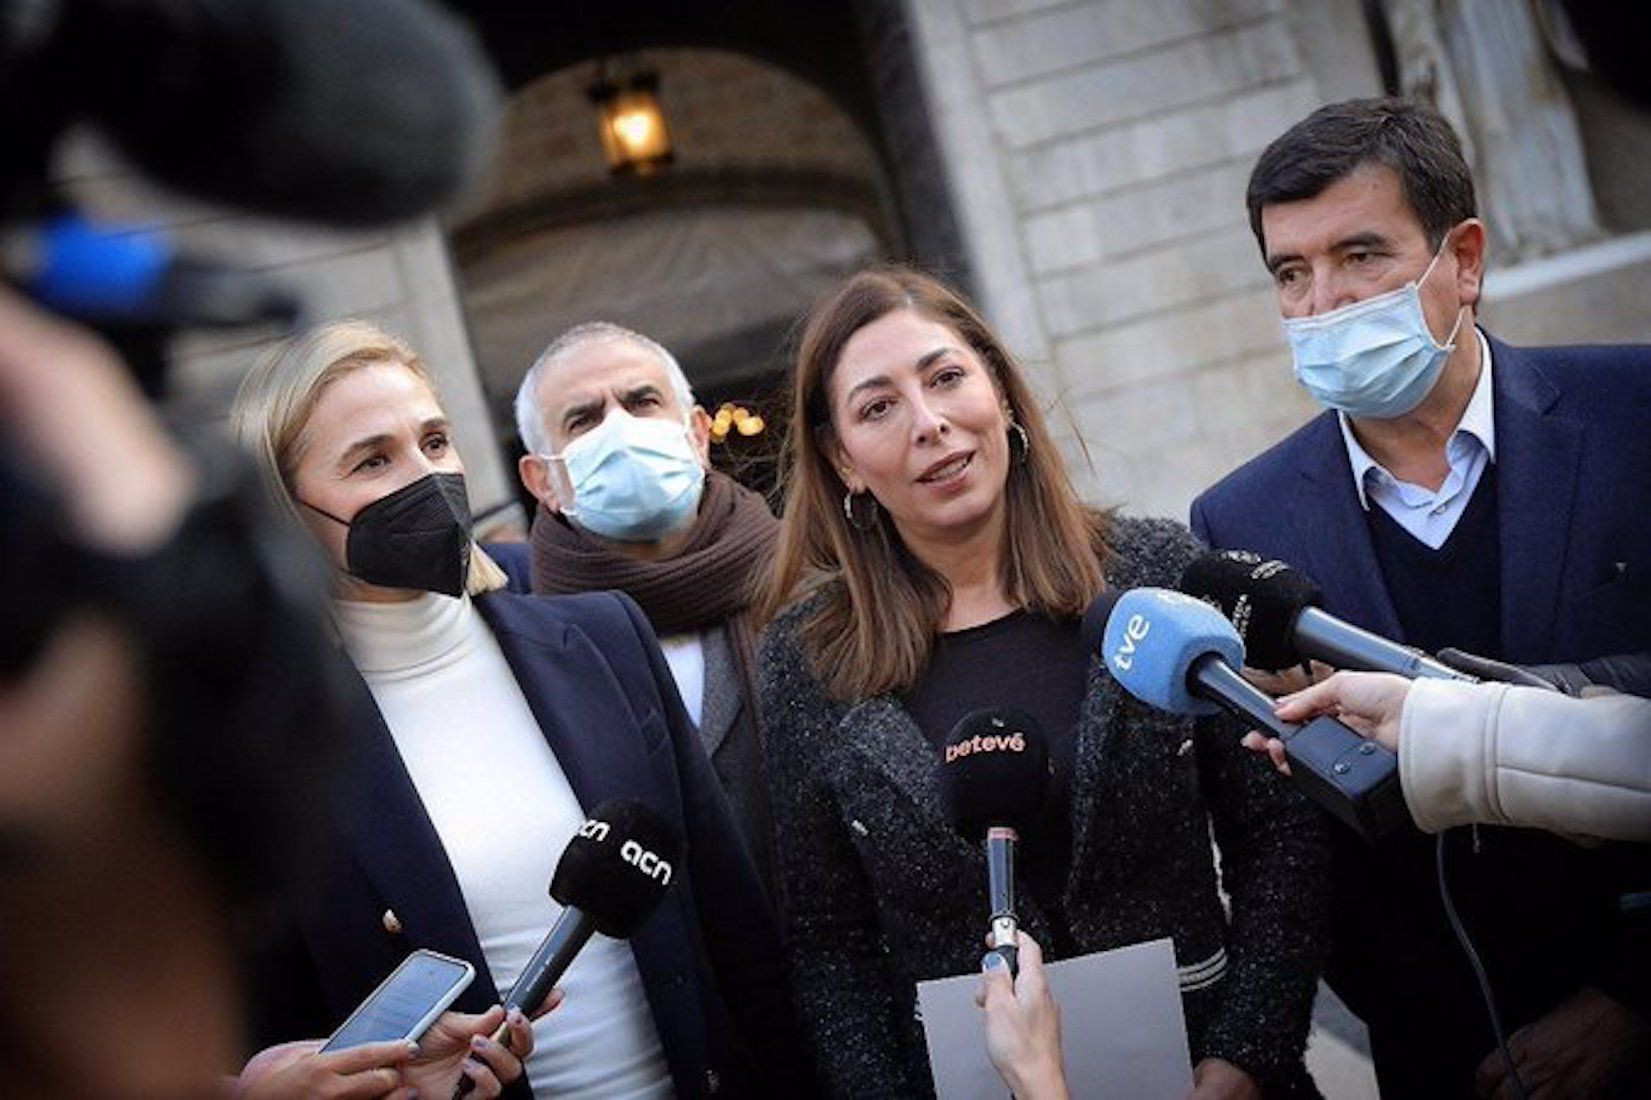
{"x": 775, "y": 194}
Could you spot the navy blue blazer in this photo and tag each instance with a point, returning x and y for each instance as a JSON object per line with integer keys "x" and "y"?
{"x": 710, "y": 958}
{"x": 516, "y": 559}
{"x": 1573, "y": 479}
{"x": 1573, "y": 462}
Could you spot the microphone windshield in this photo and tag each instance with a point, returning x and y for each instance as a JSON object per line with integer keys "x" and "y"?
{"x": 353, "y": 113}
{"x": 1153, "y": 639}
{"x": 618, "y": 866}
{"x": 994, "y": 770}
{"x": 1262, "y": 597}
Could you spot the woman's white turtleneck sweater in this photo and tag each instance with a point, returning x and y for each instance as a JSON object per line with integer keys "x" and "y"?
{"x": 504, "y": 811}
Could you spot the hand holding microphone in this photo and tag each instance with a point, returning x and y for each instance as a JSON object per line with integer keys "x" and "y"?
{"x": 994, "y": 777}
{"x": 1023, "y": 1025}
{"x": 1179, "y": 654}
{"x": 1370, "y": 703}
{"x": 611, "y": 877}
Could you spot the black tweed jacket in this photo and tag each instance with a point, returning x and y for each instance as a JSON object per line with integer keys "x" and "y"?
{"x": 879, "y": 892}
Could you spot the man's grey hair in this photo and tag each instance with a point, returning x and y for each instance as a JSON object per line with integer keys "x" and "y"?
{"x": 530, "y": 423}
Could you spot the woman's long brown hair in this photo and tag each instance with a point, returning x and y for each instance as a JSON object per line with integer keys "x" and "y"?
{"x": 874, "y": 631}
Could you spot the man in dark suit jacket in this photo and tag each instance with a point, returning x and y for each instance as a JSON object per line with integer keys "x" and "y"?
{"x": 1457, "y": 491}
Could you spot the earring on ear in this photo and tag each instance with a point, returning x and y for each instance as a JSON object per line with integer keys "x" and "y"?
{"x": 864, "y": 523}
{"x": 1025, "y": 441}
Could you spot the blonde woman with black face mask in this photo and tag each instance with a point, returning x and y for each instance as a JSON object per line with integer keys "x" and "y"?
{"x": 496, "y": 721}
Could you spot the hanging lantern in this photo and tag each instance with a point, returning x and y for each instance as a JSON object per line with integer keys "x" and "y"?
{"x": 635, "y": 136}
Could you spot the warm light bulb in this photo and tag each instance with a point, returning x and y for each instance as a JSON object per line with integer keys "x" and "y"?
{"x": 634, "y": 127}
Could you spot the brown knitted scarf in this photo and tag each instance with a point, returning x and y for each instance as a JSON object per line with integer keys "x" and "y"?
{"x": 707, "y": 582}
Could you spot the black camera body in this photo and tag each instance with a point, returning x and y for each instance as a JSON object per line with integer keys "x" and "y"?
{"x": 360, "y": 113}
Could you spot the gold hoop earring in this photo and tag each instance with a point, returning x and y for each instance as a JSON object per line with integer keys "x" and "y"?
{"x": 863, "y": 524}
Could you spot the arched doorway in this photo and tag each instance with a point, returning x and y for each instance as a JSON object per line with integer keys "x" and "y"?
{"x": 796, "y": 162}
{"x": 775, "y": 195}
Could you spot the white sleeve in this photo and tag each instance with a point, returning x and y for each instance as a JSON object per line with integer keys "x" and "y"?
{"x": 1504, "y": 755}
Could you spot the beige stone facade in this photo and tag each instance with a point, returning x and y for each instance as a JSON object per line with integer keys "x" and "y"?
{"x": 1098, "y": 152}
{"x": 1094, "y": 155}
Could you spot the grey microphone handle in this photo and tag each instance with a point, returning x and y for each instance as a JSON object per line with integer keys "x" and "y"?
{"x": 552, "y": 958}
{"x": 1000, "y": 873}
{"x": 1343, "y": 645}
{"x": 1213, "y": 678}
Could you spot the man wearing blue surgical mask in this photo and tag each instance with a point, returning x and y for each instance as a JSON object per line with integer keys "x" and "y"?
{"x": 618, "y": 459}
{"x": 1457, "y": 491}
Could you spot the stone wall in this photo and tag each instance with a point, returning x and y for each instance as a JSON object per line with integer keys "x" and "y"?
{"x": 1098, "y": 152}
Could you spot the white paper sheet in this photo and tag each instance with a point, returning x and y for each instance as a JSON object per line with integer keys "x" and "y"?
{"x": 1121, "y": 1028}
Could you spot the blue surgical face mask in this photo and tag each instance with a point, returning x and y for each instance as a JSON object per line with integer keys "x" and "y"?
{"x": 1375, "y": 358}
{"x": 632, "y": 479}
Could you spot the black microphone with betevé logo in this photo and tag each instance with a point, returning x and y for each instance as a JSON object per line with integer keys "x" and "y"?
{"x": 1277, "y": 614}
{"x": 611, "y": 877}
{"x": 994, "y": 778}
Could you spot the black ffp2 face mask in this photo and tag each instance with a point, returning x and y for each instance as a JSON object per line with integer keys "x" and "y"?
{"x": 416, "y": 537}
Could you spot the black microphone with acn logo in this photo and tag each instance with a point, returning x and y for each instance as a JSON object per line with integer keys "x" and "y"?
{"x": 1276, "y": 612}
{"x": 994, "y": 778}
{"x": 611, "y": 877}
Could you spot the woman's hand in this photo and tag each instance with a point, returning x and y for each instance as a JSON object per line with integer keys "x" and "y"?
{"x": 1023, "y": 1024}
{"x": 1369, "y": 703}
{"x": 460, "y": 1044}
{"x": 295, "y": 1071}
{"x": 1217, "y": 1079}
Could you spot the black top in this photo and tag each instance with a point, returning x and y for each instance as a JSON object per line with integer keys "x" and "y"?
{"x": 1037, "y": 664}
{"x": 881, "y": 894}
{"x": 1451, "y": 596}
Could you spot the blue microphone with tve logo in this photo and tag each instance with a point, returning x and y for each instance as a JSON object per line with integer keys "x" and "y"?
{"x": 1181, "y": 655}
{"x": 611, "y": 877}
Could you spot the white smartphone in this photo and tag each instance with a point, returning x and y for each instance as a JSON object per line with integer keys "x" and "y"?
{"x": 407, "y": 1002}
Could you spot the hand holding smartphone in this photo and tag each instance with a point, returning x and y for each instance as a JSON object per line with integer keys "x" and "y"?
{"x": 407, "y": 1002}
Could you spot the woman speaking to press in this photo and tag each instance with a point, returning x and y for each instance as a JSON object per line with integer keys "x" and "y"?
{"x": 495, "y": 721}
{"x": 936, "y": 560}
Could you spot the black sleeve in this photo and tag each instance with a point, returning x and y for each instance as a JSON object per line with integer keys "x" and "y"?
{"x": 1275, "y": 863}
{"x": 285, "y": 1000}
{"x": 1629, "y": 673}
{"x": 856, "y": 1013}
